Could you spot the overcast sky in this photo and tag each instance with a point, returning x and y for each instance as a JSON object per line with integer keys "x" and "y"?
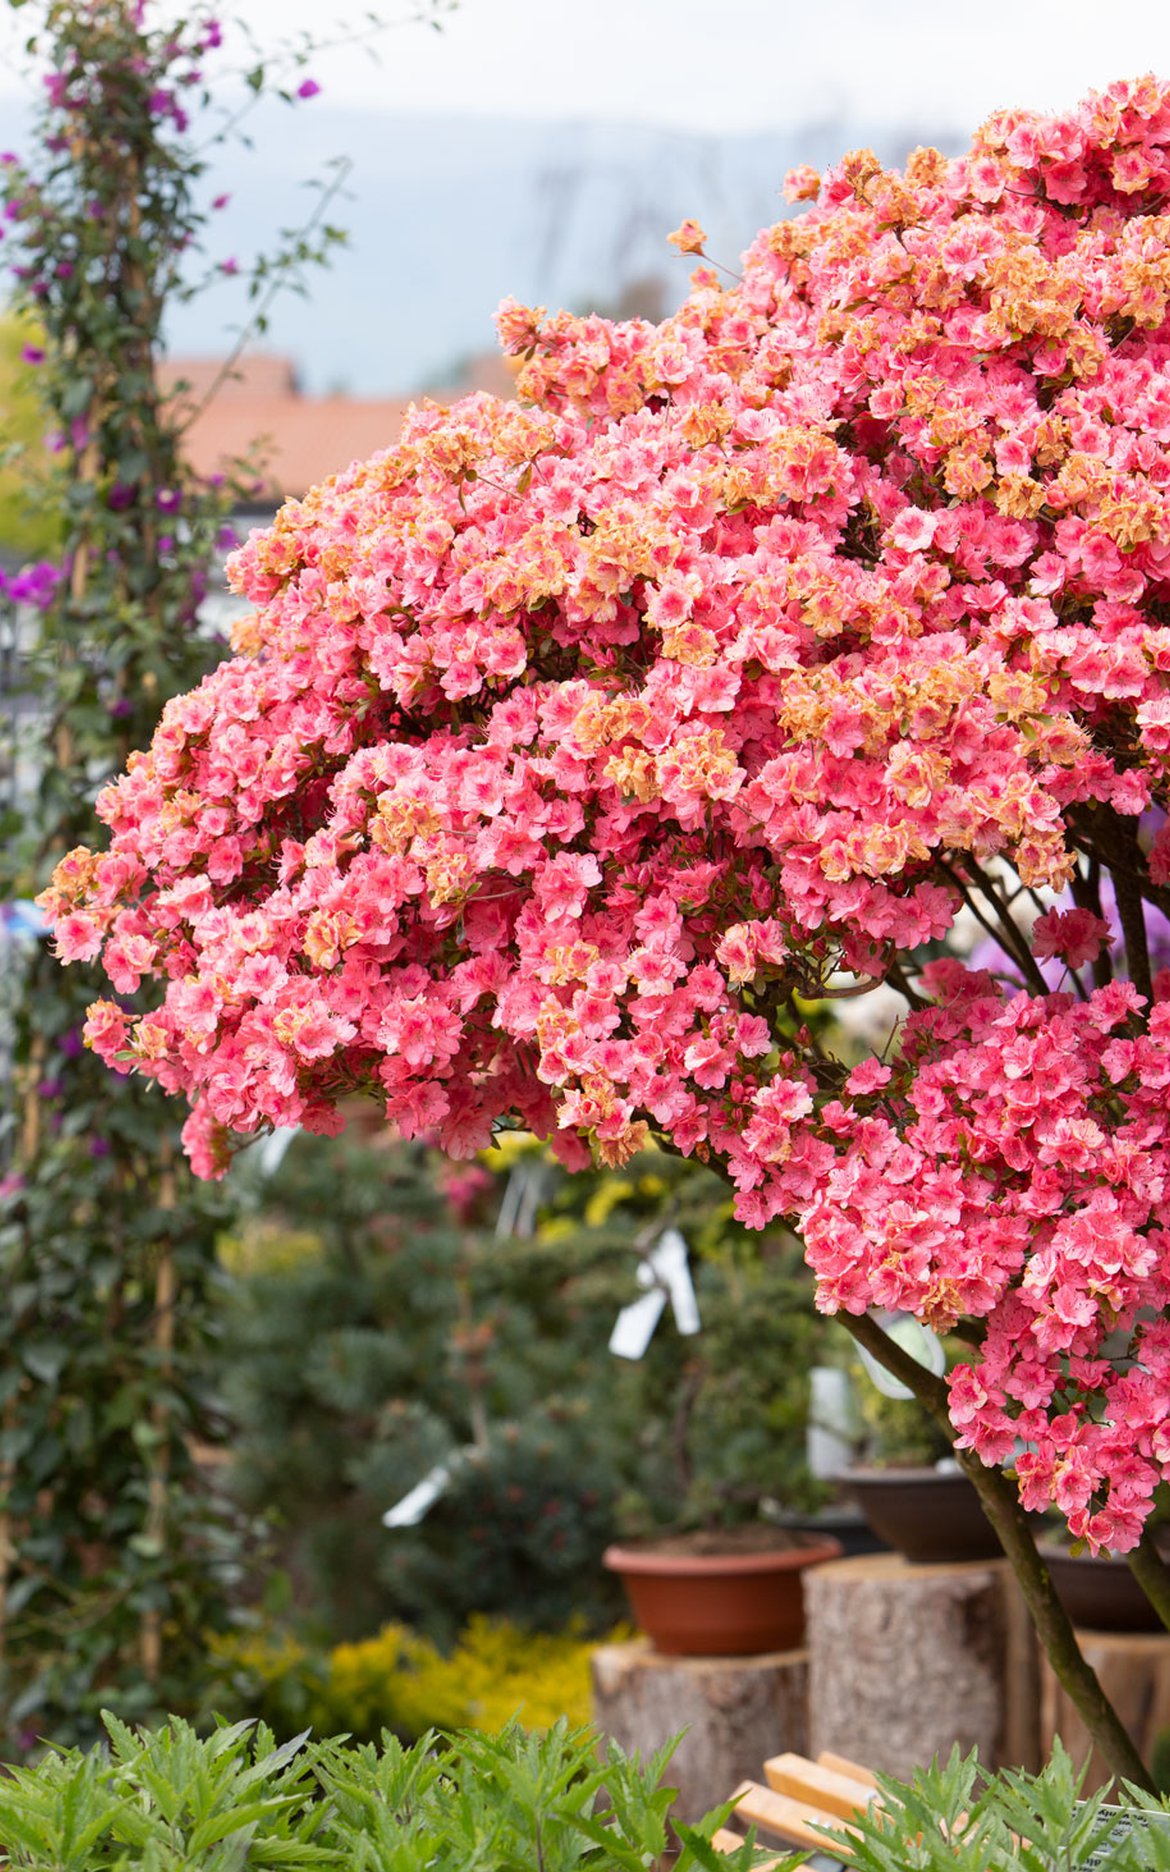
{"x": 547, "y": 199}
{"x": 722, "y": 64}
{"x": 728, "y": 64}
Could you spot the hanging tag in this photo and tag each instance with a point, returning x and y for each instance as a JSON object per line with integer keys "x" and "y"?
{"x": 671, "y": 1267}
{"x": 634, "y": 1327}
{"x": 271, "y": 1149}
{"x": 666, "y": 1272}
{"x": 417, "y": 1501}
{"x": 410, "y": 1510}
{"x": 916, "y": 1340}
{"x": 834, "y": 1422}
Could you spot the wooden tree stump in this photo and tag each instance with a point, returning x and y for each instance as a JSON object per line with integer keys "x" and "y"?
{"x": 737, "y": 1711}
{"x": 1134, "y": 1668}
{"x": 905, "y": 1661}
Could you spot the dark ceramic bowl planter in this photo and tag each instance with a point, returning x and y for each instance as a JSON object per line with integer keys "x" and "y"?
{"x": 843, "y": 1522}
{"x": 692, "y": 1601}
{"x": 927, "y": 1515}
{"x": 1099, "y": 1592}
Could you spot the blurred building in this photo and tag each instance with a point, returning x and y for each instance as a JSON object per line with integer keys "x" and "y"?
{"x": 255, "y": 412}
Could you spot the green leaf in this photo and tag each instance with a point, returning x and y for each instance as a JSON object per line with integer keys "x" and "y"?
{"x": 45, "y": 1359}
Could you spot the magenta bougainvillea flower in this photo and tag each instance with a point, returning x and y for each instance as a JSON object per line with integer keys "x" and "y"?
{"x": 575, "y": 744}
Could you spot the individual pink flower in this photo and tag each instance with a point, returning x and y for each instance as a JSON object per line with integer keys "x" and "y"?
{"x": 1077, "y": 936}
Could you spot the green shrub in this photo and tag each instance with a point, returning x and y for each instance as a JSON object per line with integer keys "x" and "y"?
{"x": 170, "y": 1802}
{"x": 948, "y": 1820}
{"x": 376, "y": 1332}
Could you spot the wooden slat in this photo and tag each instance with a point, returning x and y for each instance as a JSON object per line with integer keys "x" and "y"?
{"x": 841, "y": 1764}
{"x": 816, "y": 1786}
{"x": 725, "y": 1841}
{"x": 779, "y": 1814}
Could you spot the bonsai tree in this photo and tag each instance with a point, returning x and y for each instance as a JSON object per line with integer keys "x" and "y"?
{"x": 574, "y": 747}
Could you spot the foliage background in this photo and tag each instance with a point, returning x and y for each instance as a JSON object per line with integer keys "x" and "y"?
{"x": 378, "y": 1324}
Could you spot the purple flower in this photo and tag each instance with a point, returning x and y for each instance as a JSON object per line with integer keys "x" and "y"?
{"x": 229, "y": 266}
{"x": 33, "y": 354}
{"x": 71, "y": 1043}
{"x": 168, "y": 500}
{"x": 308, "y": 88}
{"x": 227, "y": 538}
{"x": 121, "y": 708}
{"x": 121, "y": 496}
{"x": 32, "y": 585}
{"x": 99, "y": 1147}
{"x": 221, "y": 201}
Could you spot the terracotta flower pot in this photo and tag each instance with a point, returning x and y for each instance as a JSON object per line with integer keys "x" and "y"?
{"x": 720, "y": 1604}
{"x": 928, "y": 1515}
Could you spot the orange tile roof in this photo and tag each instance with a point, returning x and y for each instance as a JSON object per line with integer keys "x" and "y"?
{"x": 260, "y": 414}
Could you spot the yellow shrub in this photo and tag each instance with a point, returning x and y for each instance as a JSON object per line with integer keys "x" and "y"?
{"x": 371, "y": 1685}
{"x": 263, "y": 1247}
{"x": 400, "y": 1681}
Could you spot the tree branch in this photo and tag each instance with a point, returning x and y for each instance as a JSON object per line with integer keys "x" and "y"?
{"x": 1128, "y": 891}
{"x": 1152, "y": 1574}
{"x": 1001, "y": 1506}
{"x": 1003, "y": 931}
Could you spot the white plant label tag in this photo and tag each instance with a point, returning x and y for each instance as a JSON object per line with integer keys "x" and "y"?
{"x": 634, "y": 1326}
{"x": 666, "y": 1272}
{"x": 1131, "y": 1820}
{"x": 410, "y": 1510}
{"x": 915, "y": 1339}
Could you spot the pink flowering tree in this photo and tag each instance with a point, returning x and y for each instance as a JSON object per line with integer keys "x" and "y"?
{"x": 576, "y": 745}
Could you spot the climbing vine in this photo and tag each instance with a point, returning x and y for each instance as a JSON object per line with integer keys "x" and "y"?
{"x": 115, "y": 1552}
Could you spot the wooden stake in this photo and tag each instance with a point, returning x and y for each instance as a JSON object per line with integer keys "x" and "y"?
{"x": 165, "y": 1297}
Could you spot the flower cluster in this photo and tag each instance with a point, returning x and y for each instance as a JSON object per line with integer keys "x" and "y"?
{"x": 574, "y": 745}
{"x": 1012, "y": 1168}
{"x": 33, "y": 585}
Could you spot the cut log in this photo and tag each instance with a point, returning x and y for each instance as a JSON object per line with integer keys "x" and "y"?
{"x": 736, "y": 1710}
{"x": 1134, "y": 1668}
{"x": 907, "y": 1660}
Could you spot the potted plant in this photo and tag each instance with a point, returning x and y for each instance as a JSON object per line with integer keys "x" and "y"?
{"x": 721, "y": 1592}
{"x": 1099, "y": 1591}
{"x": 706, "y": 1572}
{"x": 907, "y": 1484}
